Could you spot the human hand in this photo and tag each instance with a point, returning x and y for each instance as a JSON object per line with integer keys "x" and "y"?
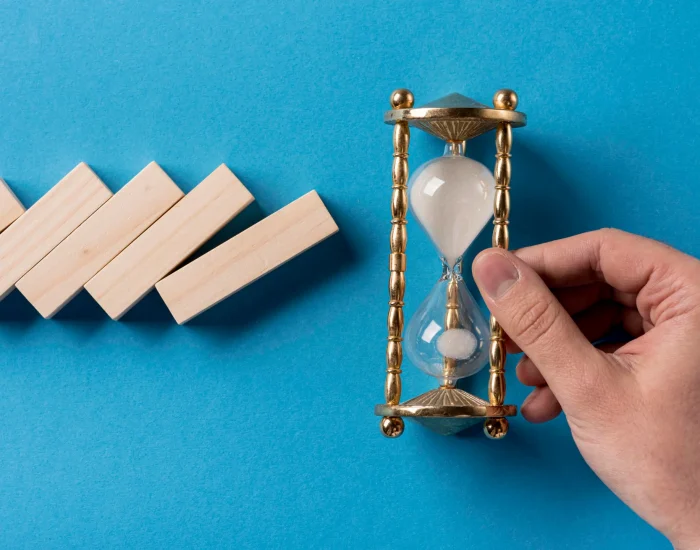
{"x": 633, "y": 409}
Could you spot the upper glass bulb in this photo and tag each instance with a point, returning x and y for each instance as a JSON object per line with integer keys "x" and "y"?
{"x": 452, "y": 198}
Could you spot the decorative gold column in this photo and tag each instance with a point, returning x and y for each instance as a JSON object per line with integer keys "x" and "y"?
{"x": 392, "y": 426}
{"x": 506, "y": 100}
{"x": 451, "y": 321}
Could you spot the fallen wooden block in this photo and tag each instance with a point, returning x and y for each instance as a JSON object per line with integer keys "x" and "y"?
{"x": 246, "y": 257}
{"x": 41, "y": 228}
{"x": 124, "y": 281}
{"x": 10, "y": 207}
{"x": 56, "y": 279}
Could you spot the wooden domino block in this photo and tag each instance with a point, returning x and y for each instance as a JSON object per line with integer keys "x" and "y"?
{"x": 56, "y": 279}
{"x": 41, "y": 228}
{"x": 168, "y": 242}
{"x": 246, "y": 257}
{"x": 10, "y": 207}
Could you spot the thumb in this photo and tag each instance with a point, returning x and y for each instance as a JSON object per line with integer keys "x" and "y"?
{"x": 533, "y": 318}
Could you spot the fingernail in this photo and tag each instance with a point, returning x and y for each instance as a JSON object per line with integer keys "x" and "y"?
{"x": 495, "y": 274}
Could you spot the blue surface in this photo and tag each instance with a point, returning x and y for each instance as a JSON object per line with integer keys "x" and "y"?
{"x": 252, "y": 427}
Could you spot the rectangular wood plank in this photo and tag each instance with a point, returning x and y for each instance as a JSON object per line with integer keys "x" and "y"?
{"x": 10, "y": 206}
{"x": 246, "y": 257}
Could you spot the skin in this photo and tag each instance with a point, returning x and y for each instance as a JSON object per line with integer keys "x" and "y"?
{"x": 633, "y": 408}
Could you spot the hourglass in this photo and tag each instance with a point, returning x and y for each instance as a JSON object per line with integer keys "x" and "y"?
{"x": 452, "y": 197}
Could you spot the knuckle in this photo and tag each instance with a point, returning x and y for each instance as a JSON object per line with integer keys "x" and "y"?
{"x": 535, "y": 321}
{"x": 610, "y": 235}
{"x": 610, "y": 232}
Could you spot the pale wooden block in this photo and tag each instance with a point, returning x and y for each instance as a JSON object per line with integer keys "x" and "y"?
{"x": 56, "y": 279}
{"x": 41, "y": 228}
{"x": 246, "y": 257}
{"x": 10, "y": 207}
{"x": 168, "y": 242}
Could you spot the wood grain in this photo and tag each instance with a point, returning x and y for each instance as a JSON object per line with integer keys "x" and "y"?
{"x": 10, "y": 207}
{"x": 246, "y": 257}
{"x": 124, "y": 281}
{"x": 56, "y": 279}
{"x": 41, "y": 228}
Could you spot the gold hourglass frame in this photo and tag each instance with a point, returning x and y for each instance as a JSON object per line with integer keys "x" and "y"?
{"x": 454, "y": 119}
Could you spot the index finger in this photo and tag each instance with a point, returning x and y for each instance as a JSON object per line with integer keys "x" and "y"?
{"x": 622, "y": 260}
{"x": 641, "y": 267}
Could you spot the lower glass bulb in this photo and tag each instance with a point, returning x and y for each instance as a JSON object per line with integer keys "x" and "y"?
{"x": 447, "y": 337}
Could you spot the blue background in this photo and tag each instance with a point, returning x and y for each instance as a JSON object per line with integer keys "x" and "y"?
{"x": 253, "y": 426}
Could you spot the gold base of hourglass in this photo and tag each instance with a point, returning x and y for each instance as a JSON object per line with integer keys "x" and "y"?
{"x": 448, "y": 411}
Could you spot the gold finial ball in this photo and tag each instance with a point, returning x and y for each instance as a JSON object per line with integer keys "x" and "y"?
{"x": 392, "y": 426}
{"x": 401, "y": 99}
{"x": 496, "y": 428}
{"x": 505, "y": 99}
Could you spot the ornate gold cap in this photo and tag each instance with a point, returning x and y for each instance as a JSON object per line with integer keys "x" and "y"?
{"x": 456, "y": 117}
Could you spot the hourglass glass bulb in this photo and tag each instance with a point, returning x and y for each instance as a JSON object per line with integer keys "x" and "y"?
{"x": 447, "y": 337}
{"x": 452, "y": 198}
